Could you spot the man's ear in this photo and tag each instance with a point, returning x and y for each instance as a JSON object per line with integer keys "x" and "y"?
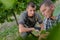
{"x": 52, "y": 7}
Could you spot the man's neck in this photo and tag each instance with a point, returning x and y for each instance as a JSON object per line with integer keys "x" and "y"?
{"x": 52, "y": 17}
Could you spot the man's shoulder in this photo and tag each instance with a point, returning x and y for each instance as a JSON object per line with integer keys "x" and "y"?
{"x": 23, "y": 13}
{"x": 58, "y": 17}
{"x": 37, "y": 14}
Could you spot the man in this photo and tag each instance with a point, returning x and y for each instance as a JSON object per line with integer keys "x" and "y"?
{"x": 28, "y": 19}
{"x": 47, "y": 9}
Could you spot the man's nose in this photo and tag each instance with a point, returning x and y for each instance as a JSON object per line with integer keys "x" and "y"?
{"x": 32, "y": 12}
{"x": 44, "y": 13}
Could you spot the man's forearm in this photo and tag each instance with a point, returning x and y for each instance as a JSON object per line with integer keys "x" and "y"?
{"x": 26, "y": 30}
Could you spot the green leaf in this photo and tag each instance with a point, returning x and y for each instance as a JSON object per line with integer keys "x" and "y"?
{"x": 8, "y": 4}
{"x": 54, "y": 33}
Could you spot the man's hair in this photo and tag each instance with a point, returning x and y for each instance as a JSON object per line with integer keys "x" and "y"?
{"x": 46, "y": 3}
{"x": 32, "y": 4}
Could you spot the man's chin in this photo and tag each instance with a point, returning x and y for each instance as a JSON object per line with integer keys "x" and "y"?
{"x": 30, "y": 16}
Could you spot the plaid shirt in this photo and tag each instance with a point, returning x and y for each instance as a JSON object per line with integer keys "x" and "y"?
{"x": 48, "y": 23}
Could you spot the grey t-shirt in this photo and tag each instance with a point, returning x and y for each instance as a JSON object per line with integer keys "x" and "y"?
{"x": 29, "y": 21}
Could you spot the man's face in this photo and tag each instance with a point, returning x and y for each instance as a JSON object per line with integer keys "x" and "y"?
{"x": 46, "y": 11}
{"x": 31, "y": 11}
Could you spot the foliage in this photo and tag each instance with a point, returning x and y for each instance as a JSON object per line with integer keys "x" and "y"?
{"x": 57, "y": 10}
{"x": 54, "y": 33}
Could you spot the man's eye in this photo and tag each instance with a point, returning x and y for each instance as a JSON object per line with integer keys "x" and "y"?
{"x": 30, "y": 10}
{"x": 34, "y": 10}
{"x": 44, "y": 10}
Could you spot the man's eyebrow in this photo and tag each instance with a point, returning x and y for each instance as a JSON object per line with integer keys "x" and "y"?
{"x": 43, "y": 9}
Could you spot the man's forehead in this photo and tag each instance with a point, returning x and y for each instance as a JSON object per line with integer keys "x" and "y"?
{"x": 43, "y": 7}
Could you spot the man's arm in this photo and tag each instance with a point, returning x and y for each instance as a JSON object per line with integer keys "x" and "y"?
{"x": 23, "y": 29}
{"x": 40, "y": 22}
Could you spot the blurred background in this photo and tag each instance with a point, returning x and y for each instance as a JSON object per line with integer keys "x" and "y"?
{"x": 10, "y": 14}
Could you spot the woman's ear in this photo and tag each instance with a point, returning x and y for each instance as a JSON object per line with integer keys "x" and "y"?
{"x": 52, "y": 7}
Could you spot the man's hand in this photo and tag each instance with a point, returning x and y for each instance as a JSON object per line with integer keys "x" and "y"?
{"x": 36, "y": 33}
{"x": 37, "y": 30}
